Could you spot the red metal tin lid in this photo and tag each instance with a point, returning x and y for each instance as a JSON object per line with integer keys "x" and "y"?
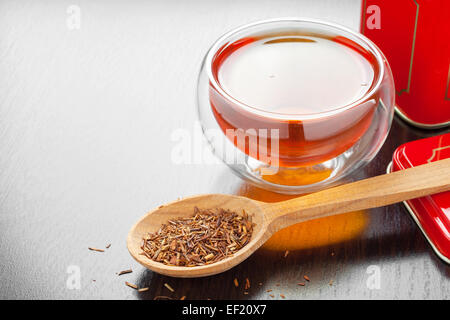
{"x": 432, "y": 213}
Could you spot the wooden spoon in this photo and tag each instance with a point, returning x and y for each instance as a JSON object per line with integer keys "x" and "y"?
{"x": 270, "y": 217}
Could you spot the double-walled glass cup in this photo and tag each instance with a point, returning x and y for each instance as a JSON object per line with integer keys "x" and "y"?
{"x": 295, "y": 152}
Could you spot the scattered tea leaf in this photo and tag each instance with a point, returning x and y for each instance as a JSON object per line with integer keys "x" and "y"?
{"x": 124, "y": 272}
{"x": 131, "y": 285}
{"x": 247, "y": 284}
{"x": 169, "y": 287}
{"x": 162, "y": 298}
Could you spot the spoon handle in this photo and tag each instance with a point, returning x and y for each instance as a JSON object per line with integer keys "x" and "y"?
{"x": 369, "y": 193}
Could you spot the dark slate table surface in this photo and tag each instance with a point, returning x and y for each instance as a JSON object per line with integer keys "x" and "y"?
{"x": 87, "y": 117}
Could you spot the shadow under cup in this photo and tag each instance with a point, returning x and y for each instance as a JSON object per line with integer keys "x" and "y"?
{"x": 295, "y": 152}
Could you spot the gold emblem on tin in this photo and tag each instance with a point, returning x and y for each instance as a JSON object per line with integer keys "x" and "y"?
{"x": 399, "y": 92}
{"x": 446, "y": 97}
{"x": 436, "y": 151}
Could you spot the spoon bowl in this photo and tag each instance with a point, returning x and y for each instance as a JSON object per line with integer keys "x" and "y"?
{"x": 270, "y": 217}
{"x": 153, "y": 220}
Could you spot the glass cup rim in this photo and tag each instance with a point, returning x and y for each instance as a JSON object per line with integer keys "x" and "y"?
{"x": 289, "y": 116}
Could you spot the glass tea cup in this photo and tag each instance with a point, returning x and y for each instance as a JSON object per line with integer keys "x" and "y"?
{"x": 295, "y": 105}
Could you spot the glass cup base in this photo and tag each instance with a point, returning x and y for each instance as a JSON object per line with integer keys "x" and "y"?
{"x": 293, "y": 180}
{"x": 306, "y": 179}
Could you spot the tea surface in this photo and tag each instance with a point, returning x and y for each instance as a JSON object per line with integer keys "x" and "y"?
{"x": 295, "y": 74}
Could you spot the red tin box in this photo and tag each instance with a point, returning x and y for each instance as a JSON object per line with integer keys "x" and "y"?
{"x": 431, "y": 213}
{"x": 414, "y": 36}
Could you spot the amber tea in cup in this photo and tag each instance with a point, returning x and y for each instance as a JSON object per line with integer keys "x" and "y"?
{"x": 296, "y": 83}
